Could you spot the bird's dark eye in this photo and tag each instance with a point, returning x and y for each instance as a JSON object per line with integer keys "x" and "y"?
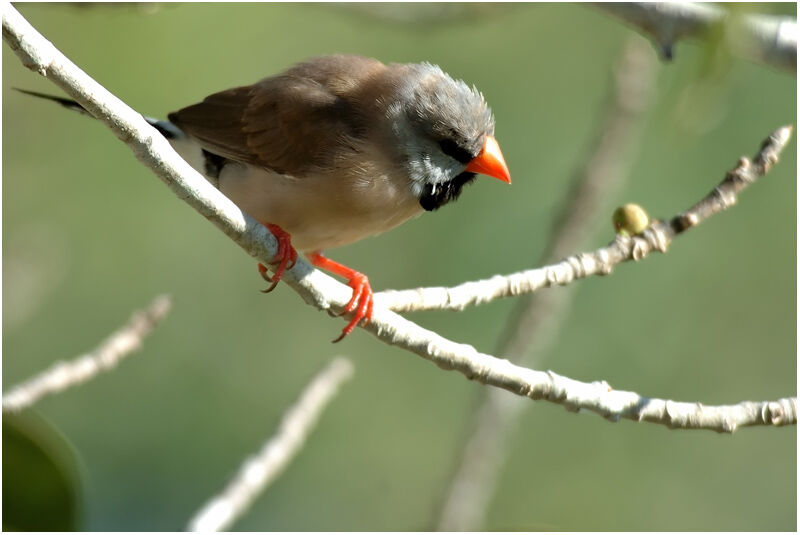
{"x": 452, "y": 149}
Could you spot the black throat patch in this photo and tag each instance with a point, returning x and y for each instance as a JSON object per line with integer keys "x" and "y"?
{"x": 436, "y": 195}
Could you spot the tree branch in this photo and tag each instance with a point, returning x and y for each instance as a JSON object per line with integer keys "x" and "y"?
{"x": 767, "y": 39}
{"x": 64, "y": 375}
{"x": 326, "y": 293}
{"x": 257, "y": 472}
{"x": 657, "y": 237}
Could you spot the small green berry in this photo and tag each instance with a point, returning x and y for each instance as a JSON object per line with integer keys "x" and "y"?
{"x": 630, "y": 219}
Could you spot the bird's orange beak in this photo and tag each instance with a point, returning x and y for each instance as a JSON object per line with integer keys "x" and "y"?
{"x": 490, "y": 161}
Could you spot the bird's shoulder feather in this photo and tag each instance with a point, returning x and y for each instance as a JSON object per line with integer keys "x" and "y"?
{"x": 293, "y": 123}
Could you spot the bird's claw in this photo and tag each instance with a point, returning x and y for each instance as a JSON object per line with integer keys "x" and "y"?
{"x": 361, "y": 303}
{"x": 284, "y": 259}
{"x": 262, "y": 269}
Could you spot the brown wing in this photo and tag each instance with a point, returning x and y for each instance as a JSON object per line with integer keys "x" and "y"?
{"x": 291, "y": 123}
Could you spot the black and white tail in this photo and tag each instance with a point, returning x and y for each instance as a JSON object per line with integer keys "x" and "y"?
{"x": 210, "y": 165}
{"x": 165, "y": 128}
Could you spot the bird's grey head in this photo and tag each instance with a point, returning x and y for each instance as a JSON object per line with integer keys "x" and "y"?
{"x": 440, "y": 124}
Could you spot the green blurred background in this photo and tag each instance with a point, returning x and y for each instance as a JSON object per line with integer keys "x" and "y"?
{"x": 90, "y": 235}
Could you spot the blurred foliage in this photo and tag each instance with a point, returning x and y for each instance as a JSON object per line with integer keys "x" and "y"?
{"x": 89, "y": 235}
{"x": 40, "y": 482}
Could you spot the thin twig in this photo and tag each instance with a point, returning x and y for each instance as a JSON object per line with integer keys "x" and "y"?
{"x": 767, "y": 39}
{"x": 324, "y": 292}
{"x": 657, "y": 237}
{"x": 116, "y": 347}
{"x": 257, "y": 472}
{"x": 537, "y": 321}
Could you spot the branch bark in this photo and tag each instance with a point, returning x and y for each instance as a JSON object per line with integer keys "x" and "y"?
{"x": 766, "y": 39}
{"x": 325, "y": 293}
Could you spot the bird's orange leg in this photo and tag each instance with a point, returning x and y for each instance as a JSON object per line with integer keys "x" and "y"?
{"x": 361, "y": 302}
{"x": 286, "y": 254}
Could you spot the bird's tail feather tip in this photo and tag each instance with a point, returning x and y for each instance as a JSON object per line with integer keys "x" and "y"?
{"x": 65, "y": 102}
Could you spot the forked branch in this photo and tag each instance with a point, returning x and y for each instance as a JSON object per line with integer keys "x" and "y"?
{"x": 325, "y": 293}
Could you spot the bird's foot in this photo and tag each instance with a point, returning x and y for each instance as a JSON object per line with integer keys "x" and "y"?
{"x": 286, "y": 254}
{"x": 362, "y": 300}
{"x": 361, "y": 303}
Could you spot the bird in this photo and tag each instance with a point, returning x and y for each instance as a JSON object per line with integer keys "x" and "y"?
{"x": 335, "y": 149}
